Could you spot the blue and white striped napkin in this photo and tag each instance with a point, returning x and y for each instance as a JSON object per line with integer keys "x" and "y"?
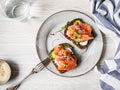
{"x": 107, "y": 16}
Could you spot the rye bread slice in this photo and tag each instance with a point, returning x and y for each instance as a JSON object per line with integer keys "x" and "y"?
{"x": 61, "y": 71}
{"x": 64, "y": 44}
{"x": 78, "y": 45}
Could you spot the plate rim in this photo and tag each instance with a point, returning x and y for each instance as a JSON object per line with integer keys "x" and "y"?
{"x": 37, "y": 48}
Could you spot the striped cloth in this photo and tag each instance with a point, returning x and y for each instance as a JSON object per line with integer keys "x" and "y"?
{"x": 107, "y": 16}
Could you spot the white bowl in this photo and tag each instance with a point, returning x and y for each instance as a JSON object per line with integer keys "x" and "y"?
{"x": 5, "y": 72}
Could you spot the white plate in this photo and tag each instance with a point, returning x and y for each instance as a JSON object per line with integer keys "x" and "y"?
{"x": 45, "y": 42}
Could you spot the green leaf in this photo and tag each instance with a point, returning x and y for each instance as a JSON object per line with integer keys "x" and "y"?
{"x": 61, "y": 29}
{"x": 74, "y": 55}
{"x": 67, "y": 46}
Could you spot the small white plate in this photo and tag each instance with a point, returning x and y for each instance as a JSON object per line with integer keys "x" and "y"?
{"x": 45, "y": 42}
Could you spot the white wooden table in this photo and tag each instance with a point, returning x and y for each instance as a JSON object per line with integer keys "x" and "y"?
{"x": 17, "y": 46}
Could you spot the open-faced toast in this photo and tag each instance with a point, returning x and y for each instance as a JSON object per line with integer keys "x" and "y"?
{"x": 63, "y": 57}
{"x": 79, "y": 32}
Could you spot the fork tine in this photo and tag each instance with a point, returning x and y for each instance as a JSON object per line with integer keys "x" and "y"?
{"x": 38, "y": 64}
{"x": 41, "y": 65}
{"x": 46, "y": 61}
{"x": 40, "y": 68}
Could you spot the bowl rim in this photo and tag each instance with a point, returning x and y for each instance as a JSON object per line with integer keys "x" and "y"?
{"x": 8, "y": 77}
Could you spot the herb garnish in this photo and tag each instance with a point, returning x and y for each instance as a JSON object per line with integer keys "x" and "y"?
{"x": 61, "y": 29}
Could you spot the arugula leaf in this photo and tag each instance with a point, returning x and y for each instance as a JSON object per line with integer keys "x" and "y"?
{"x": 61, "y": 29}
{"x": 67, "y": 46}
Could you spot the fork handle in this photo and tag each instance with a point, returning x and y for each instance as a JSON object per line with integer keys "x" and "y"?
{"x": 18, "y": 85}
{"x": 14, "y": 87}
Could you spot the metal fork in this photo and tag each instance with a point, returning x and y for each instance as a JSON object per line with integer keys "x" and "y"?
{"x": 36, "y": 69}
